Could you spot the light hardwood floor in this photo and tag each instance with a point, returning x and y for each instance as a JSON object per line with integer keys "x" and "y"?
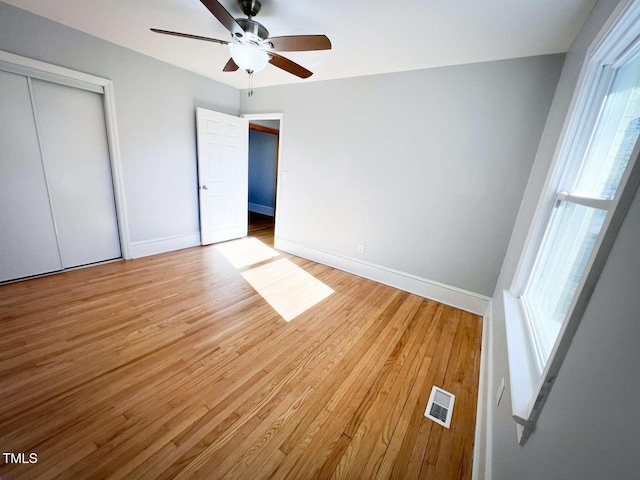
{"x": 173, "y": 366}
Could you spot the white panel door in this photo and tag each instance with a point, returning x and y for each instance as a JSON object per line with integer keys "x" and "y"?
{"x": 28, "y": 243}
{"x": 223, "y": 174}
{"x": 75, "y": 153}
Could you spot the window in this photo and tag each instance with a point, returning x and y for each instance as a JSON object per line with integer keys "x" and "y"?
{"x": 589, "y": 189}
{"x": 584, "y": 199}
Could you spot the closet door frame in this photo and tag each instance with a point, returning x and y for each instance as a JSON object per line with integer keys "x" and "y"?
{"x": 52, "y": 73}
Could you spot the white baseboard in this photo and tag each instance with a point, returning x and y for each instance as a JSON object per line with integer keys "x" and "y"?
{"x": 482, "y": 443}
{"x": 456, "y": 297}
{"x": 264, "y": 210}
{"x": 162, "y": 245}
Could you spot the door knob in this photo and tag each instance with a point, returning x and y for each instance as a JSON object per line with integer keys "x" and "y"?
{"x": 204, "y": 187}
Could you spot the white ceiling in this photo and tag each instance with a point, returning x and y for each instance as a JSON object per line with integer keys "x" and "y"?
{"x": 368, "y": 37}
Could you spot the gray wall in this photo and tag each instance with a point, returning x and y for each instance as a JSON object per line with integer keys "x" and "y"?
{"x": 155, "y": 105}
{"x": 263, "y": 150}
{"x": 426, "y": 168}
{"x": 583, "y": 431}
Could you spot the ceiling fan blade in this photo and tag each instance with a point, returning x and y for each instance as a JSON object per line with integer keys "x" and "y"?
{"x": 230, "y": 66}
{"x": 224, "y": 17}
{"x": 289, "y": 65}
{"x": 300, "y": 43}
{"x": 188, "y": 35}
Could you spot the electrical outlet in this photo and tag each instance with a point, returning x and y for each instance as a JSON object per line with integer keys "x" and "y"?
{"x": 500, "y": 392}
{"x": 361, "y": 248}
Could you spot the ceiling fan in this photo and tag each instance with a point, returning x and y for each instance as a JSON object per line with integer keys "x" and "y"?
{"x": 250, "y": 45}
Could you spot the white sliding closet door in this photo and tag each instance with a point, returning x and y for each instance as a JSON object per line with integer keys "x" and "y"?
{"x": 75, "y": 154}
{"x": 27, "y": 235}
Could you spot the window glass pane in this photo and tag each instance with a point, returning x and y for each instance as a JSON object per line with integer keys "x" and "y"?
{"x": 565, "y": 252}
{"x": 614, "y": 136}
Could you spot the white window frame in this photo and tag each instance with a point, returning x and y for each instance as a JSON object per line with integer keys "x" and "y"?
{"x": 531, "y": 378}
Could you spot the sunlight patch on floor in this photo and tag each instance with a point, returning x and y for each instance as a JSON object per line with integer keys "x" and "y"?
{"x": 246, "y": 251}
{"x": 286, "y": 287}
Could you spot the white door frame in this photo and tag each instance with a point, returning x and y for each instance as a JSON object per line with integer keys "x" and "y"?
{"x": 65, "y": 76}
{"x": 280, "y": 117}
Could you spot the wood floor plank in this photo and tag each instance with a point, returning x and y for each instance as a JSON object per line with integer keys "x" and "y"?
{"x": 173, "y": 366}
{"x": 270, "y": 388}
{"x": 318, "y": 439}
{"x": 330, "y": 383}
{"x": 368, "y": 341}
{"x": 428, "y": 431}
{"x": 320, "y": 392}
{"x": 371, "y": 436}
{"x": 248, "y": 414}
{"x": 397, "y": 453}
{"x": 411, "y": 450}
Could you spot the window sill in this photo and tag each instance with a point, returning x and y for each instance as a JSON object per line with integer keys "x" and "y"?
{"x": 524, "y": 375}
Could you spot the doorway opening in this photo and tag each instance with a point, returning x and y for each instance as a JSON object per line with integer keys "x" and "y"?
{"x": 264, "y": 145}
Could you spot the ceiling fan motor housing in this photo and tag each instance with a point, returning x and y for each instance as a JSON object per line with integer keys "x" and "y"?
{"x": 254, "y": 31}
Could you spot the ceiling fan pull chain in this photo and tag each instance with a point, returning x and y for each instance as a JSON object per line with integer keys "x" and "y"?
{"x": 250, "y": 93}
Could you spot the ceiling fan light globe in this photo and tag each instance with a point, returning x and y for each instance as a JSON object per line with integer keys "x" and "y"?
{"x": 248, "y": 57}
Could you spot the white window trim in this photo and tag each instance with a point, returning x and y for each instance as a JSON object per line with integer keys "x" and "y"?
{"x": 530, "y": 380}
